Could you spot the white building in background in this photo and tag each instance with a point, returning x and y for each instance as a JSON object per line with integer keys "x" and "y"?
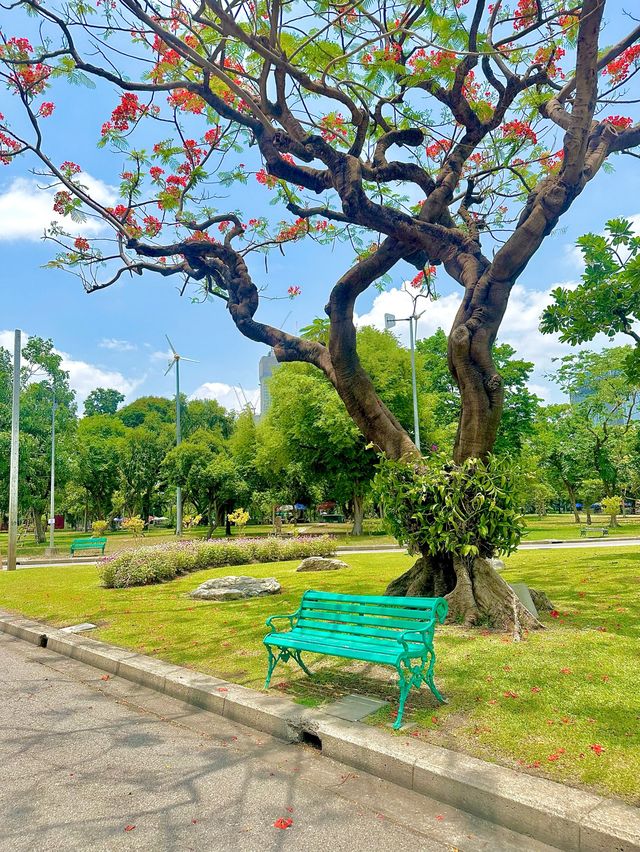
{"x": 266, "y": 367}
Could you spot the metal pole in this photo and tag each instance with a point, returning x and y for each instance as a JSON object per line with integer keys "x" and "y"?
{"x": 52, "y": 508}
{"x": 416, "y": 421}
{"x": 178, "y": 441}
{"x": 15, "y": 455}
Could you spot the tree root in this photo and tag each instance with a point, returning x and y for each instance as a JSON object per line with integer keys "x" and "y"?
{"x": 477, "y": 595}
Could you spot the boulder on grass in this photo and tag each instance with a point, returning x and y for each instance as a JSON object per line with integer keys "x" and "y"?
{"x": 236, "y": 588}
{"x": 321, "y": 563}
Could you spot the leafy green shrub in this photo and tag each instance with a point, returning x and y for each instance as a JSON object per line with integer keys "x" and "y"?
{"x": 156, "y": 564}
{"x": 611, "y": 506}
{"x": 440, "y": 507}
{"x": 99, "y": 528}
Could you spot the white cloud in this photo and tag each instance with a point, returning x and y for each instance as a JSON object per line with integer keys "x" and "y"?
{"x": 26, "y": 209}
{"x": 230, "y": 396}
{"x": 519, "y": 327}
{"x": 83, "y": 376}
{"x": 117, "y": 345}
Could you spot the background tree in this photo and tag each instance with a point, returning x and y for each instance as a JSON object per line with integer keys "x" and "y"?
{"x": 485, "y": 104}
{"x": 608, "y": 299}
{"x": 102, "y": 401}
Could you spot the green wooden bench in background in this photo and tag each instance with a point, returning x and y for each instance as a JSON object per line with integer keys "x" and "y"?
{"x": 394, "y": 631}
{"x": 88, "y": 544}
{"x": 584, "y": 531}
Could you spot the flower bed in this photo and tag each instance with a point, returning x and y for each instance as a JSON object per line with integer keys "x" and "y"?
{"x": 162, "y": 562}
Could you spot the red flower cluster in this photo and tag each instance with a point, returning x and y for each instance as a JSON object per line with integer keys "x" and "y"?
{"x": 70, "y": 169}
{"x": 520, "y": 130}
{"x": 8, "y": 146}
{"x": 263, "y": 177}
{"x": 62, "y": 202}
{"x": 419, "y": 280}
{"x": 293, "y": 232}
{"x": 186, "y": 101}
{"x": 294, "y": 291}
{"x": 333, "y": 128}
{"x": 440, "y": 146}
{"x": 152, "y": 226}
{"x": 212, "y": 136}
{"x": 31, "y": 78}
{"x": 81, "y": 244}
{"x": 549, "y": 58}
{"x": 619, "y": 121}
{"x": 156, "y": 173}
{"x": 525, "y": 14}
{"x": 46, "y": 109}
{"x": 129, "y": 109}
{"x": 620, "y": 68}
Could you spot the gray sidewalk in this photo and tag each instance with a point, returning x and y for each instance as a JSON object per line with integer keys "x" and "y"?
{"x": 84, "y": 756}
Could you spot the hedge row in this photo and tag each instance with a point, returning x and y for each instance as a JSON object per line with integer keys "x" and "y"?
{"x": 146, "y": 565}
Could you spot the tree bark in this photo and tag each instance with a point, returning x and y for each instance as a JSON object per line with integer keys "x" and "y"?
{"x": 358, "y": 514}
{"x": 38, "y": 528}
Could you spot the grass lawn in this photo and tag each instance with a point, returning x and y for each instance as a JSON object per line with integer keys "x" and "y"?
{"x": 564, "y": 527}
{"x": 540, "y": 704}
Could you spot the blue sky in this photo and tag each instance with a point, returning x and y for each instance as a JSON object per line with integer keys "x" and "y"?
{"x": 116, "y": 337}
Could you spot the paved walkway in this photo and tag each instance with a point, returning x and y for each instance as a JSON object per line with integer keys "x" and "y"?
{"x": 94, "y": 762}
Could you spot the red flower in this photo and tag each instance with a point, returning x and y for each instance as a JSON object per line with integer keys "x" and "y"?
{"x": 619, "y": 121}
{"x": 518, "y": 129}
{"x": 46, "y": 109}
{"x": 294, "y": 291}
{"x": 283, "y": 822}
{"x": 81, "y": 244}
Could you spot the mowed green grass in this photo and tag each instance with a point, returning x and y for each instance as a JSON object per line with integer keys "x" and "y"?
{"x": 563, "y": 703}
{"x": 564, "y": 527}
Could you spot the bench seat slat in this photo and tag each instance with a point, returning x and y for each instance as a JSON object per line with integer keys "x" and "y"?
{"x": 324, "y": 646}
{"x": 349, "y": 640}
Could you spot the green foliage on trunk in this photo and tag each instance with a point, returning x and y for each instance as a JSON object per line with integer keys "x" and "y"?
{"x": 439, "y": 507}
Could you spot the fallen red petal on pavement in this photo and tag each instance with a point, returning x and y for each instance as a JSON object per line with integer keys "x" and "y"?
{"x": 105, "y": 677}
{"x": 283, "y": 822}
{"x": 129, "y": 827}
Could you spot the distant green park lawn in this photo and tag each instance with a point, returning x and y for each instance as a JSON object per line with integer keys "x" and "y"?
{"x": 563, "y": 703}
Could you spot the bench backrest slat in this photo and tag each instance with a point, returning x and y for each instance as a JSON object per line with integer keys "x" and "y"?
{"x": 331, "y": 628}
{"x": 378, "y": 617}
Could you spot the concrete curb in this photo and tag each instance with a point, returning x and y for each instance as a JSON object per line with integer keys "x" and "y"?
{"x": 563, "y": 817}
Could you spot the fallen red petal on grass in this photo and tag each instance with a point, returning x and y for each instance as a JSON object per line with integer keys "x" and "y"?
{"x": 283, "y": 822}
{"x": 129, "y": 827}
{"x": 596, "y": 748}
{"x": 510, "y": 694}
{"x": 565, "y": 671}
{"x": 535, "y": 689}
{"x": 554, "y": 613}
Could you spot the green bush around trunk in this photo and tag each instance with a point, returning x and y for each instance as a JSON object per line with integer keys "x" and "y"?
{"x": 159, "y": 563}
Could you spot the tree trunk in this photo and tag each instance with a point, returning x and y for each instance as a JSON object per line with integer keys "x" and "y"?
{"x": 588, "y": 511}
{"x": 358, "y": 514}
{"x": 476, "y": 593}
{"x": 38, "y": 528}
{"x": 572, "y": 498}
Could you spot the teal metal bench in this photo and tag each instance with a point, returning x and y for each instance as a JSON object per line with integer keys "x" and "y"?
{"x": 602, "y": 531}
{"x": 394, "y": 631}
{"x": 88, "y": 544}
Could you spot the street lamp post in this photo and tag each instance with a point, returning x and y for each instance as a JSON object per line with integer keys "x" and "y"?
{"x": 52, "y": 505}
{"x": 389, "y": 322}
{"x": 14, "y": 455}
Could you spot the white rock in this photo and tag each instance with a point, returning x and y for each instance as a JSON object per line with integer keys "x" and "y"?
{"x": 236, "y": 588}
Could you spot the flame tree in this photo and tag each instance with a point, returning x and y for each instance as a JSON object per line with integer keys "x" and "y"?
{"x": 447, "y": 133}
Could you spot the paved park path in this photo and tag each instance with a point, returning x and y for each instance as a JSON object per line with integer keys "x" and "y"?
{"x": 91, "y": 762}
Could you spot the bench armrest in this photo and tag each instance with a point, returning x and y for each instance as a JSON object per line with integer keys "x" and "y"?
{"x": 289, "y": 617}
{"x": 418, "y": 636}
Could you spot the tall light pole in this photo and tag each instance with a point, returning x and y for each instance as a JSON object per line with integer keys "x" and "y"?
{"x": 15, "y": 453}
{"x": 52, "y": 506}
{"x": 389, "y": 322}
{"x": 175, "y": 362}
